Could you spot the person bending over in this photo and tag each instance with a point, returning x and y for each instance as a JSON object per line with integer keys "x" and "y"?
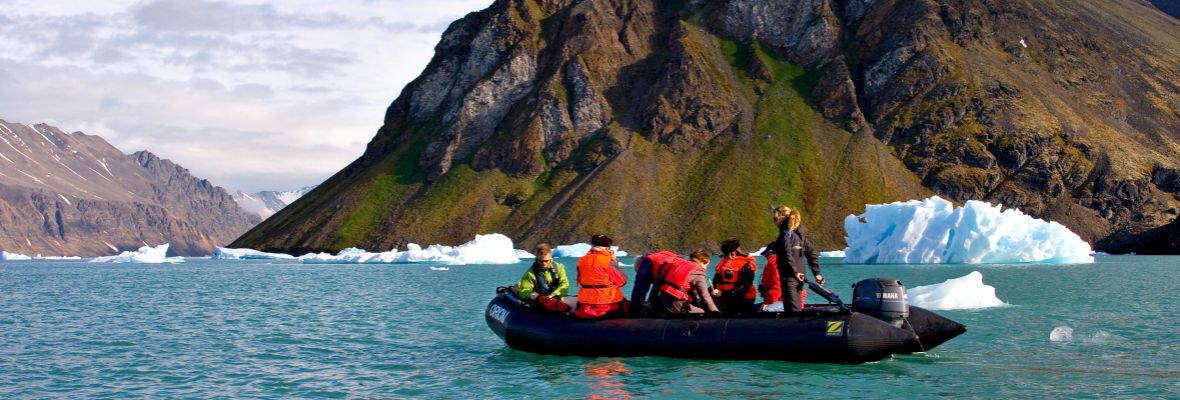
{"x": 680, "y": 285}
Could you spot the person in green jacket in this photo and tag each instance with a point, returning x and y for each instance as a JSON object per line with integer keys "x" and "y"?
{"x": 545, "y": 283}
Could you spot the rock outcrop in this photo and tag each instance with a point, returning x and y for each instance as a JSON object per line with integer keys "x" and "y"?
{"x": 75, "y": 194}
{"x": 675, "y": 123}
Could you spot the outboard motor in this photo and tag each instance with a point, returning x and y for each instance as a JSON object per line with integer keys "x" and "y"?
{"x": 883, "y": 298}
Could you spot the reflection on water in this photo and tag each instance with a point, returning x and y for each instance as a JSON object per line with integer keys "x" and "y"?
{"x": 606, "y": 378}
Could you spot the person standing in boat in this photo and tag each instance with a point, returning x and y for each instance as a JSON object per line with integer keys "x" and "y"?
{"x": 600, "y": 281}
{"x": 680, "y": 285}
{"x": 792, "y": 249}
{"x": 733, "y": 279}
{"x": 545, "y": 283}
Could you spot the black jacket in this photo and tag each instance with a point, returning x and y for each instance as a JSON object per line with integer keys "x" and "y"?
{"x": 792, "y": 247}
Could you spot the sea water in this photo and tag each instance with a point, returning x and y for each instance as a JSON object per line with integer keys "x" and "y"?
{"x": 213, "y": 328}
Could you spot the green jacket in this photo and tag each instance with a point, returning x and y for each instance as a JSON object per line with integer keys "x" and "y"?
{"x": 529, "y": 280}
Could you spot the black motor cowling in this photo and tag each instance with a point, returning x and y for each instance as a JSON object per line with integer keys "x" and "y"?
{"x": 883, "y": 298}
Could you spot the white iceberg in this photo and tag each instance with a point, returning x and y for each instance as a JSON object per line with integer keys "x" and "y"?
{"x": 6, "y": 256}
{"x": 967, "y": 292}
{"x": 485, "y": 249}
{"x": 934, "y": 231}
{"x": 222, "y": 253}
{"x": 524, "y": 254}
{"x": 833, "y": 253}
{"x": 578, "y": 250}
{"x": 145, "y": 255}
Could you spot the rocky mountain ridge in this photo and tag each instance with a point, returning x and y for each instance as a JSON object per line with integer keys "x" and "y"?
{"x": 267, "y": 202}
{"x": 672, "y": 124}
{"x": 75, "y": 194}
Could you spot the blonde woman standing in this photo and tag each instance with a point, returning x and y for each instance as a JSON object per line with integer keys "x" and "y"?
{"x": 792, "y": 249}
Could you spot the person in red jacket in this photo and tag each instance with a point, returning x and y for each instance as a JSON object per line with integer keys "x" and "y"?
{"x": 733, "y": 279}
{"x": 600, "y": 281}
{"x": 769, "y": 286}
{"x": 679, "y": 283}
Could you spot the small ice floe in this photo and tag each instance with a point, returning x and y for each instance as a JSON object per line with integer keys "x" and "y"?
{"x": 145, "y": 255}
{"x": 222, "y": 253}
{"x": 967, "y": 292}
{"x": 934, "y": 231}
{"x": 1061, "y": 334}
{"x": 580, "y": 249}
{"x": 833, "y": 253}
{"x": 485, "y": 249}
{"x": 440, "y": 268}
{"x": 1065, "y": 334}
{"x": 6, "y": 256}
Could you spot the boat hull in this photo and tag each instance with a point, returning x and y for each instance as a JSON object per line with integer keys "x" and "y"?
{"x": 820, "y": 334}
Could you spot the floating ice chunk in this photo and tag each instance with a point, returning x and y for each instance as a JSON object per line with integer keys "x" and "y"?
{"x": 966, "y": 292}
{"x": 222, "y": 253}
{"x": 834, "y": 253}
{"x": 440, "y": 268}
{"x": 934, "y": 231}
{"x": 56, "y": 258}
{"x": 580, "y": 249}
{"x": 524, "y": 254}
{"x": 572, "y": 250}
{"x": 6, "y": 256}
{"x": 145, "y": 255}
{"x": 1061, "y": 334}
{"x": 485, "y": 249}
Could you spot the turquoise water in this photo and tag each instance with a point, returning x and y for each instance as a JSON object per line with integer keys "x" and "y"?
{"x": 210, "y": 328}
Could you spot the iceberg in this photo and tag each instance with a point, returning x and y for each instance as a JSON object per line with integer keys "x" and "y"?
{"x": 6, "y": 256}
{"x": 222, "y": 253}
{"x": 833, "y": 253}
{"x": 145, "y": 255}
{"x": 524, "y": 254}
{"x": 934, "y": 231}
{"x": 485, "y": 249}
{"x": 967, "y": 292}
{"x": 580, "y": 249}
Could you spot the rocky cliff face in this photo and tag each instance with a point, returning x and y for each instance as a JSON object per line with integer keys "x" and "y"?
{"x": 675, "y": 123}
{"x": 75, "y": 194}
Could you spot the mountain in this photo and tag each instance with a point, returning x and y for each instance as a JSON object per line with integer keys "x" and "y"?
{"x": 673, "y": 124}
{"x": 267, "y": 202}
{"x": 75, "y": 194}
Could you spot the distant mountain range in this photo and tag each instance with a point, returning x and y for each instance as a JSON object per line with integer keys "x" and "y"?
{"x": 268, "y": 202}
{"x": 75, "y": 194}
{"x": 672, "y": 124}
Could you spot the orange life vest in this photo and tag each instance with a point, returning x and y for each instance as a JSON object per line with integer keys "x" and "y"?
{"x": 670, "y": 273}
{"x": 594, "y": 278}
{"x": 729, "y": 271}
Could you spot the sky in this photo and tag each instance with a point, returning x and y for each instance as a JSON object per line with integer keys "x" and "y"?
{"x": 250, "y": 95}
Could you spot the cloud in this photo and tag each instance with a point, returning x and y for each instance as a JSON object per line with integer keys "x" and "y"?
{"x": 251, "y": 96}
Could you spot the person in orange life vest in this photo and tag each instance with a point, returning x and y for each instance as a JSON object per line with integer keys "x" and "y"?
{"x": 545, "y": 283}
{"x": 769, "y": 286}
{"x": 679, "y": 283}
{"x": 733, "y": 279}
{"x": 791, "y": 248}
{"x": 600, "y": 281}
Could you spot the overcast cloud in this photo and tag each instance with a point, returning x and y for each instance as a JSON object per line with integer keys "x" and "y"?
{"x": 250, "y": 95}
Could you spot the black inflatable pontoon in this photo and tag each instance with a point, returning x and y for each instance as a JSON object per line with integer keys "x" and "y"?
{"x": 820, "y": 333}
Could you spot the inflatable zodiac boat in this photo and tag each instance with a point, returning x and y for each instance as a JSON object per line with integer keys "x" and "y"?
{"x": 877, "y": 325}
